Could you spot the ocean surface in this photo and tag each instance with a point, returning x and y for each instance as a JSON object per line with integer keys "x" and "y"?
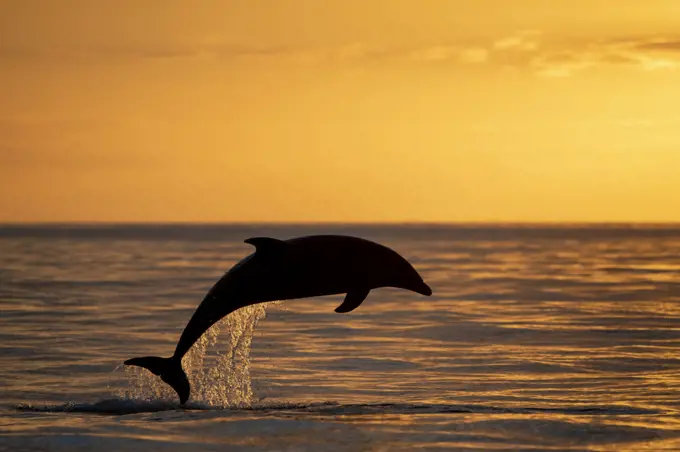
{"x": 536, "y": 338}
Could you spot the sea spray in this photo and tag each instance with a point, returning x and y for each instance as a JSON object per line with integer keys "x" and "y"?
{"x": 219, "y": 372}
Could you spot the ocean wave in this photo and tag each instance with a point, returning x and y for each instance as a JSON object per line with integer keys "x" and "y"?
{"x": 121, "y": 406}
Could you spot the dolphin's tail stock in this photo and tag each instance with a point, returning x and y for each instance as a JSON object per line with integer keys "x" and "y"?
{"x": 169, "y": 369}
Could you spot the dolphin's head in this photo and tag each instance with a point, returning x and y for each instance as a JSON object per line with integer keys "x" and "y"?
{"x": 421, "y": 288}
{"x": 416, "y": 285}
{"x": 404, "y": 276}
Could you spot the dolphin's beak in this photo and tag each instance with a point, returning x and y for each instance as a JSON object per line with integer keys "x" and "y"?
{"x": 422, "y": 289}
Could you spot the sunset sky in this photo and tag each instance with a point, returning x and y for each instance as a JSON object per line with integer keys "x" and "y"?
{"x": 352, "y": 110}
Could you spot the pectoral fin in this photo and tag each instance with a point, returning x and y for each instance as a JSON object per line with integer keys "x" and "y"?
{"x": 352, "y": 301}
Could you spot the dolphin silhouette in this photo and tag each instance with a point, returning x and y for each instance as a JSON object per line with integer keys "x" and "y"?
{"x": 288, "y": 269}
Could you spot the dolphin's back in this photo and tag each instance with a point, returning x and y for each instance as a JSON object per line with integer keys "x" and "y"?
{"x": 344, "y": 262}
{"x": 312, "y": 266}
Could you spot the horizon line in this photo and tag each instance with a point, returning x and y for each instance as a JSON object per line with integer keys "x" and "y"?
{"x": 337, "y": 223}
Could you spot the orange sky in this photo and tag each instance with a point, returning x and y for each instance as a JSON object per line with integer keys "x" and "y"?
{"x": 353, "y": 110}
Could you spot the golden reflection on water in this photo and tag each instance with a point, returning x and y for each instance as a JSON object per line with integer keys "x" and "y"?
{"x": 579, "y": 339}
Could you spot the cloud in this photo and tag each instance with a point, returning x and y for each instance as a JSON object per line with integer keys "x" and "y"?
{"x": 523, "y": 41}
{"x": 474, "y": 55}
{"x": 529, "y": 50}
{"x": 545, "y": 68}
{"x": 435, "y": 53}
{"x": 660, "y": 46}
{"x": 647, "y": 54}
{"x": 150, "y": 51}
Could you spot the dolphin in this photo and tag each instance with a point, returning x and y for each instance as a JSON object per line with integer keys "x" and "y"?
{"x": 301, "y": 267}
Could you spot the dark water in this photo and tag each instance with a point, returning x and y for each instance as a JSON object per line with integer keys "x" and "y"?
{"x": 536, "y": 338}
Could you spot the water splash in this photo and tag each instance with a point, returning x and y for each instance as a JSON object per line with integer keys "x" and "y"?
{"x": 219, "y": 377}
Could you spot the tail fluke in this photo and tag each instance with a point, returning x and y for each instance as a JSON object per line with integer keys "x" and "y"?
{"x": 169, "y": 369}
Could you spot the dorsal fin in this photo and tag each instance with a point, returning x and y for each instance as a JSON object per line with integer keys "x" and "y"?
{"x": 266, "y": 245}
{"x": 352, "y": 301}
